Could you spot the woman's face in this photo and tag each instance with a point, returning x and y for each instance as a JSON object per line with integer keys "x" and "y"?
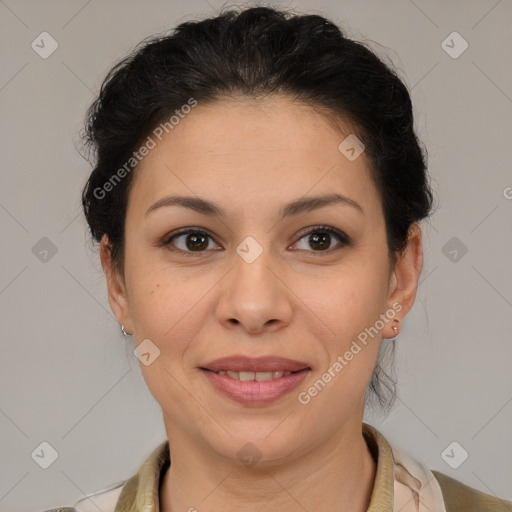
{"x": 307, "y": 283}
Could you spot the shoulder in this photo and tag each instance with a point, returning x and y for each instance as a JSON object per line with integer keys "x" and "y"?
{"x": 459, "y": 497}
{"x": 139, "y": 488}
{"x": 439, "y": 491}
{"x": 104, "y": 499}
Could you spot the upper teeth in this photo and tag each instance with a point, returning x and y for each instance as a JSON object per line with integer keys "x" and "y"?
{"x": 258, "y": 376}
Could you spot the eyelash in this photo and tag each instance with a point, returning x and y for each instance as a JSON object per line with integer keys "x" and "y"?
{"x": 344, "y": 239}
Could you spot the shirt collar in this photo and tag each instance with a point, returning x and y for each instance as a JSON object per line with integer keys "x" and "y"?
{"x": 141, "y": 492}
{"x": 382, "y": 495}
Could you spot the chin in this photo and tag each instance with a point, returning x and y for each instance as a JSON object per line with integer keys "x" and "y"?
{"x": 262, "y": 442}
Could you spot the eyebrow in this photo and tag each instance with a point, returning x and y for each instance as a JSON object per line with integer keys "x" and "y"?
{"x": 302, "y": 205}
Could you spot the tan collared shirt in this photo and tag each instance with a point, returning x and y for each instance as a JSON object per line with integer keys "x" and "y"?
{"x": 401, "y": 485}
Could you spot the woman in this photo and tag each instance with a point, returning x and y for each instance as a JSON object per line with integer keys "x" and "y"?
{"x": 257, "y": 197}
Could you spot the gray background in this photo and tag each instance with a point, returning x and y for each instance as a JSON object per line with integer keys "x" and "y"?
{"x": 67, "y": 375}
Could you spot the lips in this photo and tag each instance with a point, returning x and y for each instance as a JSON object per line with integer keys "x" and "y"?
{"x": 257, "y": 376}
{"x": 255, "y": 381}
{"x": 255, "y": 393}
{"x": 245, "y": 364}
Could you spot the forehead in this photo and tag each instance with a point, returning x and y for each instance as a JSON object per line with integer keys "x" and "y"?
{"x": 246, "y": 151}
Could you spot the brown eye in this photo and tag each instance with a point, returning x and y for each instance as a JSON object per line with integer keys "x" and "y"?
{"x": 189, "y": 241}
{"x": 320, "y": 239}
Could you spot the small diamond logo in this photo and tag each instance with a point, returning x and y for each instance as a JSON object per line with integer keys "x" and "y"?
{"x": 454, "y": 250}
{"x": 45, "y": 455}
{"x": 351, "y": 147}
{"x": 454, "y": 45}
{"x": 249, "y": 454}
{"x": 249, "y": 249}
{"x": 146, "y": 352}
{"x": 44, "y": 45}
{"x": 44, "y": 250}
{"x": 454, "y": 455}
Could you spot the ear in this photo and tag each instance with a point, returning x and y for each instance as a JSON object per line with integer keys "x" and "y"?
{"x": 403, "y": 283}
{"x": 117, "y": 296}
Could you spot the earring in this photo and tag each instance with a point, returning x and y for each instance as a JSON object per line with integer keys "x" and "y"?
{"x": 395, "y": 327}
{"x": 123, "y": 331}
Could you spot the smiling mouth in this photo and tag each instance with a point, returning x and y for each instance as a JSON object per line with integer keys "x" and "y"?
{"x": 253, "y": 376}
{"x": 255, "y": 388}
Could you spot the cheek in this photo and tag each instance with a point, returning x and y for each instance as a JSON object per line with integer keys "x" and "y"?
{"x": 347, "y": 301}
{"x": 170, "y": 308}
{"x": 350, "y": 340}
{"x": 168, "y": 312}
{"x": 163, "y": 311}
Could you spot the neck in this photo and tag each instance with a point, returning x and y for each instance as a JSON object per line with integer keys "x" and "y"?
{"x": 338, "y": 475}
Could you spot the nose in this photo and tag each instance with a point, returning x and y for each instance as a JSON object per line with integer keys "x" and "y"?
{"x": 254, "y": 296}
